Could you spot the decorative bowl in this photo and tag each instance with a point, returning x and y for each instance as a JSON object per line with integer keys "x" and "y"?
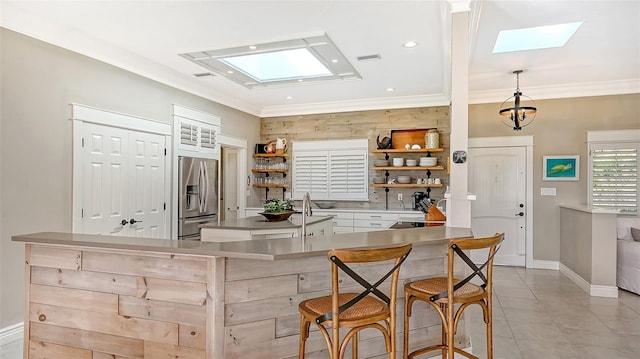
{"x": 411, "y": 163}
{"x": 398, "y": 162}
{"x": 276, "y": 216}
{"x": 404, "y": 179}
{"x": 378, "y": 180}
{"x": 381, "y": 163}
{"x": 428, "y": 161}
{"x": 324, "y": 204}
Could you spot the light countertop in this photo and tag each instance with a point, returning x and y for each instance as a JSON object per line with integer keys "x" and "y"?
{"x": 255, "y": 223}
{"x": 268, "y": 249}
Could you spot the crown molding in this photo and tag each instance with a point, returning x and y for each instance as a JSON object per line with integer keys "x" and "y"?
{"x": 587, "y": 89}
{"x": 356, "y": 105}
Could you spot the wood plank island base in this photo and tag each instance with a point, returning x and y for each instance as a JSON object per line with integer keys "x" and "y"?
{"x": 116, "y": 297}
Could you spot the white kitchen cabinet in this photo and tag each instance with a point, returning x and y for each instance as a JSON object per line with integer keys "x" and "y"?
{"x": 342, "y": 221}
{"x": 373, "y": 221}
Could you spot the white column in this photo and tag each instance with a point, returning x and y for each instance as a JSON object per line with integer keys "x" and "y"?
{"x": 458, "y": 204}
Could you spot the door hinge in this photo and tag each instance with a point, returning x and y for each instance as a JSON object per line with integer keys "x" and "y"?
{"x": 83, "y": 142}
{"x": 165, "y": 151}
{"x": 82, "y": 213}
{"x": 165, "y": 206}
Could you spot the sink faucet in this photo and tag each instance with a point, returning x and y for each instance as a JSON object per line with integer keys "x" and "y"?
{"x": 306, "y": 211}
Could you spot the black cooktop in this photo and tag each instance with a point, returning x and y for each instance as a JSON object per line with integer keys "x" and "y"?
{"x": 403, "y": 224}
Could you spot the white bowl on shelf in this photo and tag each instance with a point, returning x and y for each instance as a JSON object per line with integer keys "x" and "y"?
{"x": 428, "y": 161}
{"x": 381, "y": 163}
{"x": 412, "y": 163}
{"x": 404, "y": 179}
{"x": 398, "y": 162}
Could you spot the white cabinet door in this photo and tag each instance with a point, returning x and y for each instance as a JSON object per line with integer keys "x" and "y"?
{"x": 123, "y": 179}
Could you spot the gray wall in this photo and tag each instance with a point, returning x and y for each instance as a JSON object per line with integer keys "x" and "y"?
{"x": 38, "y": 82}
{"x": 560, "y": 128}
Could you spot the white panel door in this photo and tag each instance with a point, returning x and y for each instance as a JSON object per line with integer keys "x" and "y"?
{"x": 146, "y": 184}
{"x": 231, "y": 184}
{"x": 123, "y": 180}
{"x": 104, "y": 197}
{"x": 497, "y": 175}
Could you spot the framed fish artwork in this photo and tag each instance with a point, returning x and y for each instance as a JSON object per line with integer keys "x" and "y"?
{"x": 561, "y": 168}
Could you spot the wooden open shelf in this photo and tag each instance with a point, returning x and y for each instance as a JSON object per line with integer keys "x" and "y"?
{"x": 270, "y": 185}
{"x": 409, "y": 168}
{"x": 276, "y": 170}
{"x": 270, "y": 155}
{"x": 408, "y": 185}
{"x": 394, "y": 150}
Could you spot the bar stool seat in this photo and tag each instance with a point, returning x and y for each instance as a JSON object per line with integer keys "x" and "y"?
{"x": 371, "y": 308}
{"x": 450, "y": 296}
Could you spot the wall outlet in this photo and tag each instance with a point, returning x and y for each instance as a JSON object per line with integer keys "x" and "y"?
{"x": 399, "y": 196}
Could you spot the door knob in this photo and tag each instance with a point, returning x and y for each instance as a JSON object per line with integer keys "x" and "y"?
{"x": 519, "y": 214}
{"x": 133, "y": 221}
{"x": 123, "y": 222}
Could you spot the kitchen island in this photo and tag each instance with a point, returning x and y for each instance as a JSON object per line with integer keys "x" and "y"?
{"x": 257, "y": 227}
{"x": 92, "y": 296}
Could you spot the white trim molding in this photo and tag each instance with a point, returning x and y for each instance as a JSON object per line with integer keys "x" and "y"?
{"x": 591, "y": 289}
{"x": 540, "y": 264}
{"x": 11, "y": 333}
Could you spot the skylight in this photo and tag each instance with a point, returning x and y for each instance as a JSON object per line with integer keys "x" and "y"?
{"x": 285, "y": 62}
{"x": 533, "y": 38}
{"x": 279, "y": 65}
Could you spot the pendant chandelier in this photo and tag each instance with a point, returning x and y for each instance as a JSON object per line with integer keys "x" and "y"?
{"x": 519, "y": 110}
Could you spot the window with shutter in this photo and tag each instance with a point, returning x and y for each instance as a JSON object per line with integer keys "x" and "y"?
{"x": 188, "y": 134}
{"x": 615, "y": 177}
{"x": 339, "y": 173}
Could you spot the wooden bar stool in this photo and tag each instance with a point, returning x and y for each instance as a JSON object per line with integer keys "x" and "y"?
{"x": 355, "y": 311}
{"x": 446, "y": 292}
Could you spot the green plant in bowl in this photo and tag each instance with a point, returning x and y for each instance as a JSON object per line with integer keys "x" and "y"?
{"x": 277, "y": 206}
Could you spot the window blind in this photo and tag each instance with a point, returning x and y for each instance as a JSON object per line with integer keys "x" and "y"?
{"x": 614, "y": 179}
{"x": 336, "y": 172}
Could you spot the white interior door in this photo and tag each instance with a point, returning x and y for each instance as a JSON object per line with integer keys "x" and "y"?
{"x": 230, "y": 184}
{"x": 146, "y": 184}
{"x": 123, "y": 182}
{"x": 497, "y": 176}
{"x": 104, "y": 197}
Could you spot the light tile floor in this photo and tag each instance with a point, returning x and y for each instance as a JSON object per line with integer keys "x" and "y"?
{"x": 542, "y": 314}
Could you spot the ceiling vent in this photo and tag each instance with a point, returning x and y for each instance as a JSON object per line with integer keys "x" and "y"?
{"x": 369, "y": 57}
{"x": 203, "y": 74}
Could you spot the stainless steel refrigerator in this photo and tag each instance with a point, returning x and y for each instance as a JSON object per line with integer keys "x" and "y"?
{"x": 197, "y": 196}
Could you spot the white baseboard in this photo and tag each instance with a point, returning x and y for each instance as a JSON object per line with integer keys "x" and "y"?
{"x": 11, "y": 333}
{"x": 540, "y": 264}
{"x": 592, "y": 290}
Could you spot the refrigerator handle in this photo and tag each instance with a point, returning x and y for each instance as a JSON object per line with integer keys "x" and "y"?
{"x": 206, "y": 188}
{"x": 201, "y": 188}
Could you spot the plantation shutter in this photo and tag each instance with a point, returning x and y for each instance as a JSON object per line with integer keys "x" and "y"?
{"x": 615, "y": 177}
{"x": 347, "y": 178}
{"x": 310, "y": 173}
{"x": 336, "y": 172}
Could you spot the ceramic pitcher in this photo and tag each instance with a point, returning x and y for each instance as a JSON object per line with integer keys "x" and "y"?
{"x": 281, "y": 143}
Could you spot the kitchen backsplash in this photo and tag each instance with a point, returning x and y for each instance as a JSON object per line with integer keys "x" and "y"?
{"x": 363, "y": 124}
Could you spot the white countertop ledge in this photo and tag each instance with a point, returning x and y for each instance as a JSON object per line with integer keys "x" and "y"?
{"x": 588, "y": 209}
{"x": 266, "y": 249}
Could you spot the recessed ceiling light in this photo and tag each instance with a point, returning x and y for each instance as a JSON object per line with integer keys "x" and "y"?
{"x": 390, "y": 89}
{"x": 335, "y": 61}
{"x": 289, "y": 97}
{"x": 533, "y": 38}
{"x": 410, "y": 44}
{"x": 252, "y": 47}
{"x": 229, "y": 72}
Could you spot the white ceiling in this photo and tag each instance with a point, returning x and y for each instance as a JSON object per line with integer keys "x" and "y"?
{"x": 146, "y": 37}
